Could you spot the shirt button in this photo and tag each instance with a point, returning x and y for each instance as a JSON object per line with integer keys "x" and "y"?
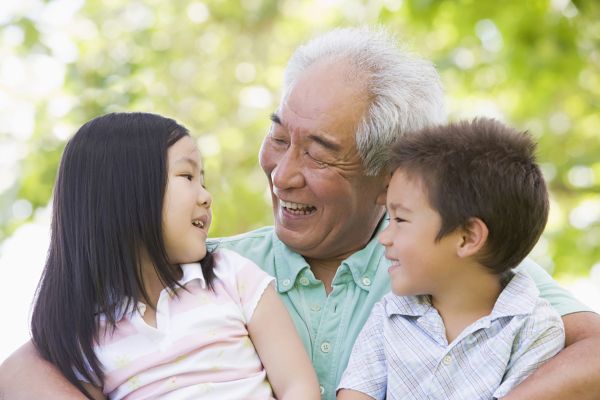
{"x": 286, "y": 282}
{"x": 366, "y": 281}
{"x": 447, "y": 360}
{"x": 315, "y": 307}
{"x": 304, "y": 281}
{"x": 325, "y": 347}
{"x": 322, "y": 389}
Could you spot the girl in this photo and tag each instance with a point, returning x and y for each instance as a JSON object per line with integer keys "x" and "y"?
{"x": 131, "y": 303}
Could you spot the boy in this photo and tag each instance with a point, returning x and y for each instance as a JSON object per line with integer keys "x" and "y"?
{"x": 467, "y": 203}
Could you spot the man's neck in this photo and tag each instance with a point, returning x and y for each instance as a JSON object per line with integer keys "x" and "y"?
{"x": 465, "y": 300}
{"x": 324, "y": 270}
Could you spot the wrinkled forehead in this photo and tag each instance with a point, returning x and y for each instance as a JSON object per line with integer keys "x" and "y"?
{"x": 323, "y": 100}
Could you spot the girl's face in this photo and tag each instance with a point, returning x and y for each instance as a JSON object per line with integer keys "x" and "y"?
{"x": 186, "y": 209}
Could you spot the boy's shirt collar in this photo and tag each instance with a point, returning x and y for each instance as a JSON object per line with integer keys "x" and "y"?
{"x": 517, "y": 298}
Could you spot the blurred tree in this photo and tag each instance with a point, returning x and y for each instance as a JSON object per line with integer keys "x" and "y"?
{"x": 216, "y": 66}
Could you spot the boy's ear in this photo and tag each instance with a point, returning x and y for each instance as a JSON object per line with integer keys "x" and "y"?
{"x": 382, "y": 195}
{"x": 473, "y": 237}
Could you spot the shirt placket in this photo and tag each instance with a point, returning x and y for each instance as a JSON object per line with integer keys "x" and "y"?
{"x": 330, "y": 331}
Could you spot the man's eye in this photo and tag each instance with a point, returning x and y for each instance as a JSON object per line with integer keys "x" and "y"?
{"x": 320, "y": 163}
{"x": 279, "y": 141}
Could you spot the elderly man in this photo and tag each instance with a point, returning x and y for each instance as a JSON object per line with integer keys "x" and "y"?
{"x": 347, "y": 95}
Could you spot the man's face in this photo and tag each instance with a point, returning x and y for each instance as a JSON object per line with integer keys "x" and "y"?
{"x": 323, "y": 204}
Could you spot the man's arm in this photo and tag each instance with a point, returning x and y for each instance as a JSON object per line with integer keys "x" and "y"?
{"x": 25, "y": 375}
{"x": 575, "y": 372}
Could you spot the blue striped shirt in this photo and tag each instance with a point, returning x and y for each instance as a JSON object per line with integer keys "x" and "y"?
{"x": 402, "y": 351}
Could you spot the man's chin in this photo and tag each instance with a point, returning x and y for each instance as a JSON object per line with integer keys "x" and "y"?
{"x": 294, "y": 239}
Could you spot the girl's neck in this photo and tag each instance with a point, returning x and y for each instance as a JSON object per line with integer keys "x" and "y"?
{"x": 153, "y": 287}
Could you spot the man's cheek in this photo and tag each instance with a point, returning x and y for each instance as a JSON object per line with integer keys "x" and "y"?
{"x": 267, "y": 158}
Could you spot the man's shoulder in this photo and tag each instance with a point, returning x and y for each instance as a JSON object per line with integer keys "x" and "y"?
{"x": 264, "y": 234}
{"x": 256, "y": 245}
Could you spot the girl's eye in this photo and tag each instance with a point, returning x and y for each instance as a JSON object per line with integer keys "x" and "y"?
{"x": 397, "y": 219}
{"x": 189, "y": 177}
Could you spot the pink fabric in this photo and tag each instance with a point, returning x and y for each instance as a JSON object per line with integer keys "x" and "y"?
{"x": 200, "y": 346}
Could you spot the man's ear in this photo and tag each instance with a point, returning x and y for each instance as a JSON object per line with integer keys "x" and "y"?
{"x": 473, "y": 237}
{"x": 381, "y": 196}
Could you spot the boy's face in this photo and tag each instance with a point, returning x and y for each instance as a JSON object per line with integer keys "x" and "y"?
{"x": 420, "y": 264}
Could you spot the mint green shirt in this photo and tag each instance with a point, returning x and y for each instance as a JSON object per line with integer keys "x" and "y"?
{"x": 329, "y": 325}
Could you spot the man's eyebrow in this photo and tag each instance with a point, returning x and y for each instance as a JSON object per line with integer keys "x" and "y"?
{"x": 328, "y": 144}
{"x": 275, "y": 118}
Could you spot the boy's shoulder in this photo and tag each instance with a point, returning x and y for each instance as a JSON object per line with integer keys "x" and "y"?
{"x": 521, "y": 297}
{"x": 529, "y": 313}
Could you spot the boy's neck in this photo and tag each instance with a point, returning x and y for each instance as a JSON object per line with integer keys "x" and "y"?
{"x": 466, "y": 299}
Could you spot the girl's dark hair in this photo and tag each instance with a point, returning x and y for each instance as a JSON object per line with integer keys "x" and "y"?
{"x": 107, "y": 208}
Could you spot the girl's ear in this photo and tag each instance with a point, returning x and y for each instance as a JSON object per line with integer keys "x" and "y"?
{"x": 473, "y": 237}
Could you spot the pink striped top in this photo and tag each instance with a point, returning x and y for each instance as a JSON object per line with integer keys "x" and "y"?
{"x": 200, "y": 347}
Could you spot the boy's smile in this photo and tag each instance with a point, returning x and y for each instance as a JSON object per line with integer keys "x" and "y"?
{"x": 420, "y": 263}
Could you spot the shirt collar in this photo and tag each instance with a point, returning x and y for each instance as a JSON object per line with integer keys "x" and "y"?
{"x": 362, "y": 264}
{"x": 519, "y": 297}
{"x": 288, "y": 265}
{"x": 410, "y": 306}
{"x": 190, "y": 272}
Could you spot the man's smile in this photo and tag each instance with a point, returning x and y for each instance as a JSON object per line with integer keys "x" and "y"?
{"x": 297, "y": 208}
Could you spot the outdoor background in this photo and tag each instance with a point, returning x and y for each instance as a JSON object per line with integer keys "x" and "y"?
{"x": 216, "y": 67}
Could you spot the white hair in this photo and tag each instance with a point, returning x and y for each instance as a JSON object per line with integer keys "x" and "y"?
{"x": 405, "y": 90}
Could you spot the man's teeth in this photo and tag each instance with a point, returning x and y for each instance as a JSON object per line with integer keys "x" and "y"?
{"x": 297, "y": 208}
{"x": 198, "y": 223}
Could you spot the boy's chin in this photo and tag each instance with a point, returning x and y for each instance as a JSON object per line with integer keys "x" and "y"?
{"x": 404, "y": 289}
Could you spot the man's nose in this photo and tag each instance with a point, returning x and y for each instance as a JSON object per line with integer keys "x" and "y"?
{"x": 288, "y": 171}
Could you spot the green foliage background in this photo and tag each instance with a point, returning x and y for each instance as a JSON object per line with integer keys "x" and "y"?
{"x": 216, "y": 67}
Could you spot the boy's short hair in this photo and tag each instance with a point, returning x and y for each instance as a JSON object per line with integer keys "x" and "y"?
{"x": 482, "y": 169}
